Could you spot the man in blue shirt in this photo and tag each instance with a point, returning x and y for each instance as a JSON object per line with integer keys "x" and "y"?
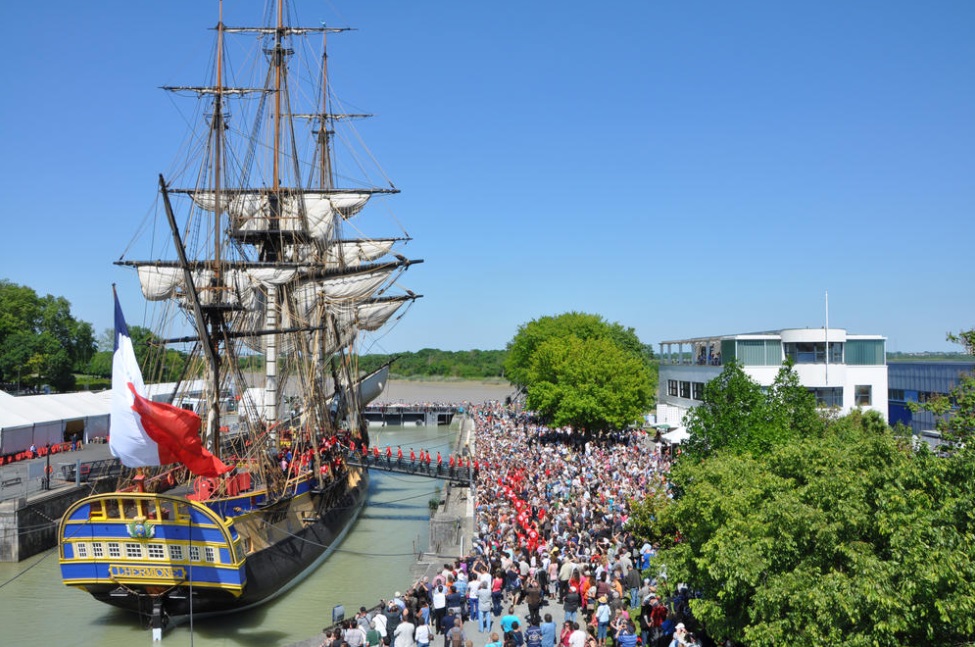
{"x": 626, "y": 637}
{"x": 548, "y": 631}
{"x": 508, "y": 620}
{"x": 533, "y": 636}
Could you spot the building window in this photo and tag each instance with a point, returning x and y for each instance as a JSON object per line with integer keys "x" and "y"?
{"x": 211, "y": 554}
{"x": 156, "y": 551}
{"x": 195, "y": 553}
{"x": 697, "y": 391}
{"x": 814, "y": 352}
{"x": 133, "y": 551}
{"x": 113, "y": 549}
{"x": 97, "y": 550}
{"x": 865, "y": 352}
{"x": 896, "y": 395}
{"x": 828, "y": 396}
{"x": 176, "y": 552}
{"x": 672, "y": 388}
{"x": 862, "y": 394}
{"x": 81, "y": 550}
{"x": 685, "y": 389}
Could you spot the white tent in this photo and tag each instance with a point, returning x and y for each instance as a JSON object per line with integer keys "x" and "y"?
{"x": 676, "y": 436}
{"x": 50, "y": 419}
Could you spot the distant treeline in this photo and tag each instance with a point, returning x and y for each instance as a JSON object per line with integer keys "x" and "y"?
{"x": 429, "y": 362}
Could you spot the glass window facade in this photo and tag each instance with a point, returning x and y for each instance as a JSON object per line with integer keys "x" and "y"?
{"x": 866, "y": 352}
{"x": 759, "y": 352}
{"x": 828, "y": 396}
{"x": 814, "y": 352}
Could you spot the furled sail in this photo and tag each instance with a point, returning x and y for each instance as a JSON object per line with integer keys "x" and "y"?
{"x": 309, "y": 212}
{"x": 235, "y": 287}
{"x": 341, "y": 253}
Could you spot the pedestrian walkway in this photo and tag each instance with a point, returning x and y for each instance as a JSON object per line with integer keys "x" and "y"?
{"x": 25, "y": 478}
{"x": 471, "y": 632}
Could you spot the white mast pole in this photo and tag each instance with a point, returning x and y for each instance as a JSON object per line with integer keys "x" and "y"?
{"x": 827, "y": 337}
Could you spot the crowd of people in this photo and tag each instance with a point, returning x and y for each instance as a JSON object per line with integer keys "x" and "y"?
{"x": 552, "y": 510}
{"x": 551, "y": 533}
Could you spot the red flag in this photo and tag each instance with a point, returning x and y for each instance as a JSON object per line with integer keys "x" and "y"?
{"x": 177, "y": 433}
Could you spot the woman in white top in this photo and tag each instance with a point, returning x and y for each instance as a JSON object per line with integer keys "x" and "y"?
{"x": 422, "y": 634}
{"x": 403, "y": 634}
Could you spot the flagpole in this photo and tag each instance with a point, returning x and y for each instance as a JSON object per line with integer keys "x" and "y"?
{"x": 827, "y": 337}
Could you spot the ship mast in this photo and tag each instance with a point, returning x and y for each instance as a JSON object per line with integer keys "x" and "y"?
{"x": 216, "y": 322}
{"x": 270, "y": 249}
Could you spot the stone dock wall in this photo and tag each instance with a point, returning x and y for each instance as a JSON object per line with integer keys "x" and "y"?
{"x": 29, "y": 526}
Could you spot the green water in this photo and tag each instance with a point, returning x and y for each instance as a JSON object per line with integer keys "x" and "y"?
{"x": 371, "y": 563}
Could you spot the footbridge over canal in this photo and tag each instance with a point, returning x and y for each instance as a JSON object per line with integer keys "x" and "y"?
{"x": 463, "y": 474}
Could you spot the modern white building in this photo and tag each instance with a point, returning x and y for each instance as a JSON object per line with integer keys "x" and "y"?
{"x": 842, "y": 370}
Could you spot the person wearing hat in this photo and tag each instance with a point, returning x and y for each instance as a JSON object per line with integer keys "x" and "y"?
{"x": 680, "y": 636}
{"x": 602, "y": 617}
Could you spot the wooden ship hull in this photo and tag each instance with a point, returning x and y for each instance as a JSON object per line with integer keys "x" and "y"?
{"x": 170, "y": 556}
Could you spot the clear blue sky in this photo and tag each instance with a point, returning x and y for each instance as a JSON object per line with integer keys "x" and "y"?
{"x": 683, "y": 168}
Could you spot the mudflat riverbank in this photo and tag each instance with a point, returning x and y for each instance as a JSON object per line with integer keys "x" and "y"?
{"x": 448, "y": 391}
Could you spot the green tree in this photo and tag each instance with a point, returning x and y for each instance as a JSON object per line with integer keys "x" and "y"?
{"x": 792, "y": 408}
{"x": 738, "y": 416}
{"x": 40, "y": 342}
{"x": 589, "y": 384}
{"x": 850, "y": 538}
{"x": 530, "y": 336}
{"x": 733, "y": 414}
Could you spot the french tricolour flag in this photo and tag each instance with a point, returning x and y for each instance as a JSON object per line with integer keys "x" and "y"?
{"x": 143, "y": 432}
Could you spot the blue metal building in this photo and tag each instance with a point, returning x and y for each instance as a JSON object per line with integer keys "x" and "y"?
{"x": 916, "y": 382}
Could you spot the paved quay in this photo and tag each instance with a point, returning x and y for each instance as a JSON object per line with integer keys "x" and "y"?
{"x": 451, "y": 530}
{"x": 29, "y": 487}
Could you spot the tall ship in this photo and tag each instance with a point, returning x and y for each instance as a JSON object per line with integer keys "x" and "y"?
{"x": 236, "y": 482}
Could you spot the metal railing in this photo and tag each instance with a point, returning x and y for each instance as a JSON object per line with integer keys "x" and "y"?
{"x": 31, "y": 477}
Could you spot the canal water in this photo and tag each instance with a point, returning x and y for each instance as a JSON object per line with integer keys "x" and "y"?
{"x": 371, "y": 563}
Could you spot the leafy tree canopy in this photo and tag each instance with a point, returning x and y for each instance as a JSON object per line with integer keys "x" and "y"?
{"x": 530, "y": 336}
{"x": 738, "y": 416}
{"x": 848, "y": 538}
{"x": 579, "y": 370}
{"x": 158, "y": 363}
{"x": 588, "y": 384}
{"x": 40, "y": 342}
